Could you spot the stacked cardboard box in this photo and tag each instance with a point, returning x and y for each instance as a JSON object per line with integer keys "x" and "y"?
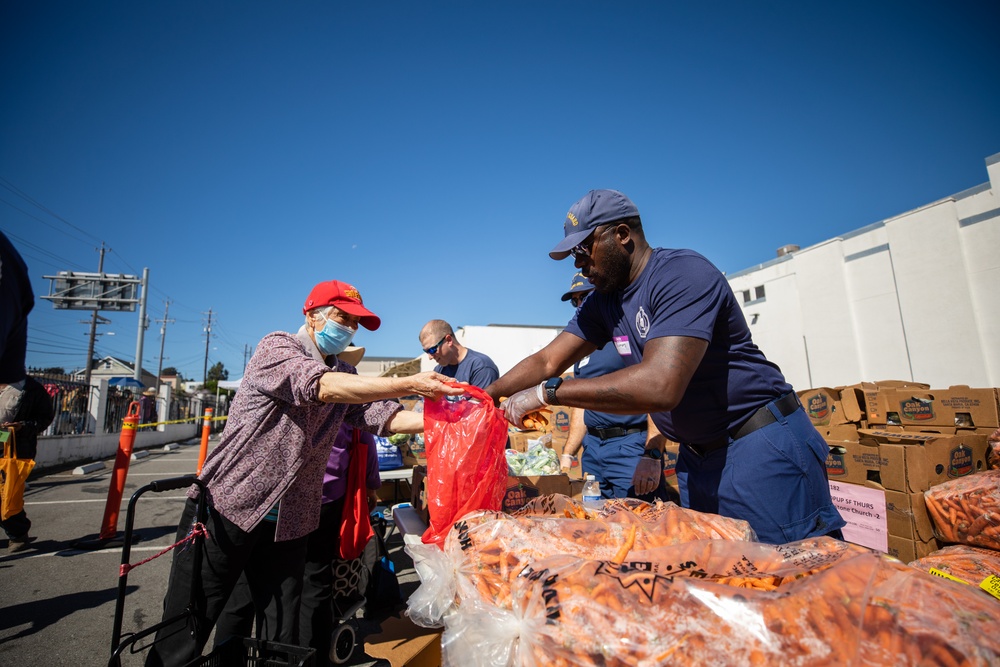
{"x": 898, "y": 439}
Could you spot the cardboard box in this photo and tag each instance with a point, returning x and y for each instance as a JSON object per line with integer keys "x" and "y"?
{"x": 955, "y": 406}
{"x": 841, "y": 432}
{"x": 907, "y": 517}
{"x": 852, "y": 404}
{"x": 521, "y": 440}
{"x": 875, "y": 407}
{"x": 522, "y": 489}
{"x": 908, "y": 550}
{"x": 413, "y": 455}
{"x": 405, "y": 644}
{"x": 418, "y": 492}
{"x": 853, "y": 462}
{"x": 914, "y": 462}
{"x": 821, "y": 406}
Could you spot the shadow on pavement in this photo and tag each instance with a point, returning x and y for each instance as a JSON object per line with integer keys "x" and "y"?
{"x": 43, "y": 613}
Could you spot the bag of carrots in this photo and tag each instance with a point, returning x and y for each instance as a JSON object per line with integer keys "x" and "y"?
{"x": 966, "y": 565}
{"x": 486, "y": 550}
{"x": 814, "y": 602}
{"x": 466, "y": 467}
{"x": 489, "y": 549}
{"x": 967, "y": 510}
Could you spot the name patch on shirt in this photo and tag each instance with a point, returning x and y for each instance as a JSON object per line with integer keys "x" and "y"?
{"x": 621, "y": 344}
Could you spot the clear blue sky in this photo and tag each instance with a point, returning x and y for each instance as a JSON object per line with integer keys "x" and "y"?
{"x": 428, "y": 151}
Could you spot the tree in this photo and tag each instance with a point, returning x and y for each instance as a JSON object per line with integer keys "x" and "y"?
{"x": 54, "y": 370}
{"x": 171, "y": 371}
{"x": 217, "y": 372}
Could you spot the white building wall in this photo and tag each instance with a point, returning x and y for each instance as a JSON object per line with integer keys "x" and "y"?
{"x": 914, "y": 297}
{"x": 505, "y": 345}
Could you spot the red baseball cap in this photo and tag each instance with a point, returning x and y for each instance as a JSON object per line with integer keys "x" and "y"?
{"x": 343, "y": 296}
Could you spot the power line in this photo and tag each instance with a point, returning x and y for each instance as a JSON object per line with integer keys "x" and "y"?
{"x": 26, "y": 197}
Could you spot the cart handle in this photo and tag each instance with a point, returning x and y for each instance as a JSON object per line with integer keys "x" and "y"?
{"x": 172, "y": 483}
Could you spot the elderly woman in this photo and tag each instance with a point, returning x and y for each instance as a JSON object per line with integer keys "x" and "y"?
{"x": 265, "y": 477}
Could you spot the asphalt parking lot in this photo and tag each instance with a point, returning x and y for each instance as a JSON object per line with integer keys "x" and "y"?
{"x": 57, "y": 601}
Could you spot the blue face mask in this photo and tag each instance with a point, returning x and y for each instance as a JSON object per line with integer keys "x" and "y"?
{"x": 333, "y": 338}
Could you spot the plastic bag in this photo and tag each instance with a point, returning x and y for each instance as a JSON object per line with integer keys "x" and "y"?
{"x": 817, "y": 601}
{"x": 390, "y": 456}
{"x": 466, "y": 469}
{"x": 13, "y": 474}
{"x": 538, "y": 460}
{"x": 382, "y": 589}
{"x": 967, "y": 510}
{"x": 489, "y": 549}
{"x": 969, "y": 565}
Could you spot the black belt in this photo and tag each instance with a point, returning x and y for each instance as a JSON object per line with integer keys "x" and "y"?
{"x": 613, "y": 432}
{"x": 786, "y": 405}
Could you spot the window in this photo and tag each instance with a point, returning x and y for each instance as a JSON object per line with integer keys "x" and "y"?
{"x": 758, "y": 292}
{"x": 746, "y": 296}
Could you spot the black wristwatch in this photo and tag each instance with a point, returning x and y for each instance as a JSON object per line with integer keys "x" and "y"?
{"x": 654, "y": 454}
{"x": 550, "y": 390}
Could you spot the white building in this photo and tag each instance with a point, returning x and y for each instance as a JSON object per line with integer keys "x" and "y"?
{"x": 505, "y": 344}
{"x": 913, "y": 297}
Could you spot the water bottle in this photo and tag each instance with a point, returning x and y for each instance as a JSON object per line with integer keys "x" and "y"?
{"x": 592, "y": 493}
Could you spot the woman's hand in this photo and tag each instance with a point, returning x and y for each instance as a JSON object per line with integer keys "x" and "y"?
{"x": 432, "y": 385}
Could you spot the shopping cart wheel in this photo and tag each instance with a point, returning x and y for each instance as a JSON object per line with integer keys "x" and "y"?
{"x": 342, "y": 644}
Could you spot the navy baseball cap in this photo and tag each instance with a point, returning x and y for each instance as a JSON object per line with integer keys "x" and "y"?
{"x": 598, "y": 207}
{"x": 577, "y": 286}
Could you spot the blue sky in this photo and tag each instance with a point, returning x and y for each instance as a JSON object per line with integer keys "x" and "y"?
{"x": 428, "y": 151}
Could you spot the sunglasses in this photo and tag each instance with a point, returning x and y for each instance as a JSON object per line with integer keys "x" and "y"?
{"x": 584, "y": 249}
{"x": 577, "y": 299}
{"x": 434, "y": 348}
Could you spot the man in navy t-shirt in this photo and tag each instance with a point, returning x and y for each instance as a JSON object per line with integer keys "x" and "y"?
{"x": 613, "y": 445}
{"x": 437, "y": 339}
{"x": 748, "y": 450}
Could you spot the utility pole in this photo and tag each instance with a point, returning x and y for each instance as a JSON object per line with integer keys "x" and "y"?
{"x": 163, "y": 337}
{"x": 246, "y": 352}
{"x": 137, "y": 374}
{"x": 208, "y": 337}
{"x": 93, "y": 326}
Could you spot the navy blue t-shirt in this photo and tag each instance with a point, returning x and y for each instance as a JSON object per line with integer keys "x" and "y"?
{"x": 603, "y": 361}
{"x": 680, "y": 293}
{"x": 476, "y": 369}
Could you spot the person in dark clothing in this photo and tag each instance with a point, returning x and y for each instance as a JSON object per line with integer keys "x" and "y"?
{"x": 33, "y": 416}
{"x": 16, "y": 301}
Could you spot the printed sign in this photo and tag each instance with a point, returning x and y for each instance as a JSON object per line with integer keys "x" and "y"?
{"x": 864, "y": 511}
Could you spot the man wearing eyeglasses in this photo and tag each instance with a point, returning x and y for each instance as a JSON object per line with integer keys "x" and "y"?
{"x": 437, "y": 339}
{"x": 615, "y": 448}
{"x": 748, "y": 449}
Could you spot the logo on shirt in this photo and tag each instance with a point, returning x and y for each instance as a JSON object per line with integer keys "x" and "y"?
{"x": 583, "y": 362}
{"x": 642, "y": 322}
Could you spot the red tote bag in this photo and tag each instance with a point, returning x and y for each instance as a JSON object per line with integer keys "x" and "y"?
{"x": 355, "y": 523}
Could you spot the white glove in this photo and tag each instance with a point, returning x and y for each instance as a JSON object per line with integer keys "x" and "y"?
{"x": 645, "y": 479}
{"x": 566, "y": 461}
{"x": 523, "y": 402}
